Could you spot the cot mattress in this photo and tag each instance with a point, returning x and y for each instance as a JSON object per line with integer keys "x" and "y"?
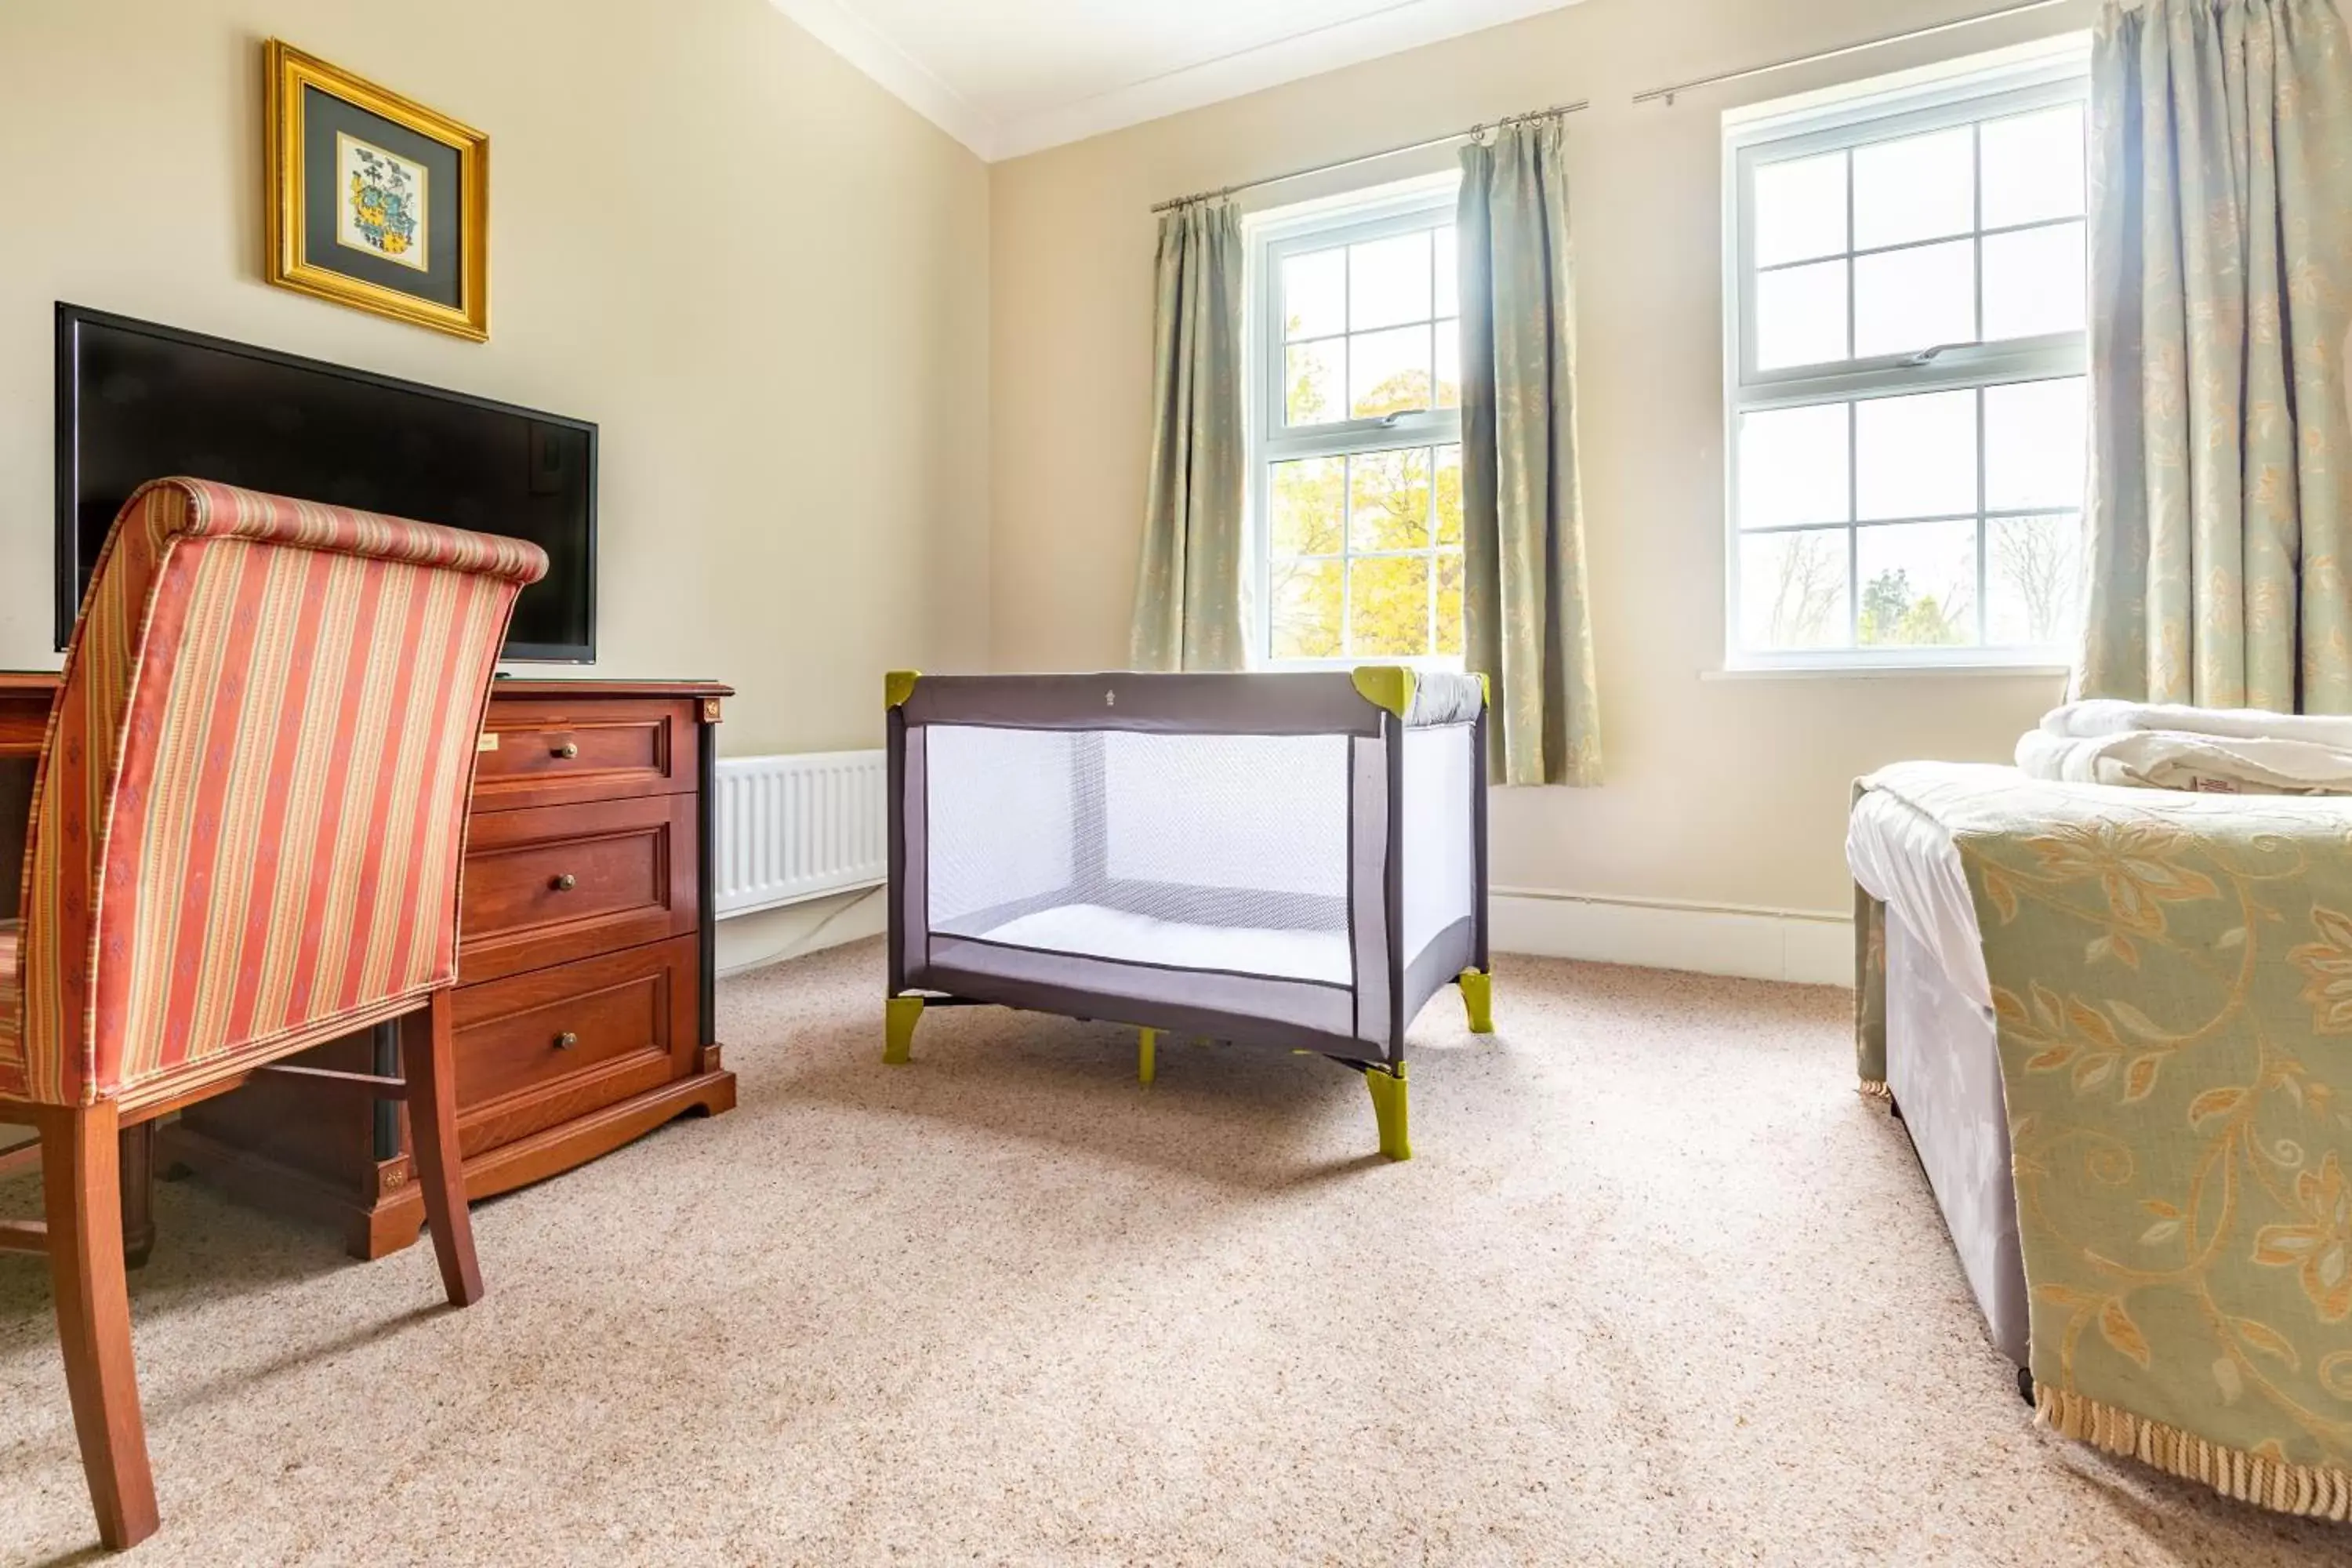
{"x": 1124, "y": 936}
{"x": 1943, "y": 1052}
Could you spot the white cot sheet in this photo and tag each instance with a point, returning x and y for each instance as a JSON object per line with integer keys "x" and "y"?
{"x": 1907, "y": 860}
{"x": 1128, "y": 938}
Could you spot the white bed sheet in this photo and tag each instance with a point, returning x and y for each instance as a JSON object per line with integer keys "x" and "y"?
{"x": 1126, "y": 937}
{"x": 1908, "y": 861}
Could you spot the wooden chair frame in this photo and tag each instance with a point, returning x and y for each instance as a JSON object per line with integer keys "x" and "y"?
{"x": 137, "y": 1161}
{"x": 196, "y": 570}
{"x": 82, "y": 1234}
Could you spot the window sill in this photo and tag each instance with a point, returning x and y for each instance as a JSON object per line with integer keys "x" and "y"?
{"x": 1978, "y": 668}
{"x": 1442, "y": 664}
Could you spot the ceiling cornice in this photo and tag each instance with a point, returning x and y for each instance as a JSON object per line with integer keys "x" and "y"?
{"x": 1392, "y": 29}
{"x": 1399, "y": 25}
{"x": 898, "y": 72}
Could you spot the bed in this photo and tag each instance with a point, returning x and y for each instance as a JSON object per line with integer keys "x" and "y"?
{"x": 2118, "y": 1026}
{"x": 1295, "y": 861}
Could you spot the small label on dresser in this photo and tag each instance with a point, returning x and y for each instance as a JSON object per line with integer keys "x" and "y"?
{"x": 489, "y": 743}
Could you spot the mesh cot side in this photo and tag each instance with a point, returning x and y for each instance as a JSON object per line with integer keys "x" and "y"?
{"x": 1176, "y": 871}
{"x": 1441, "y": 784}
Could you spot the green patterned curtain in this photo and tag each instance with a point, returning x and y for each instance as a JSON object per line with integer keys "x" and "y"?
{"x": 1527, "y": 621}
{"x": 1188, "y": 589}
{"x": 2220, "y": 277}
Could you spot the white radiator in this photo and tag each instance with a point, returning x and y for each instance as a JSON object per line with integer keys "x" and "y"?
{"x": 796, "y": 827}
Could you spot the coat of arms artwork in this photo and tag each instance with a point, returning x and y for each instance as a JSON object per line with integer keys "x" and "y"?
{"x": 376, "y": 201}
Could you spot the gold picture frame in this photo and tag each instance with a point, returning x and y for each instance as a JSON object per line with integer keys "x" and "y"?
{"x": 364, "y": 188}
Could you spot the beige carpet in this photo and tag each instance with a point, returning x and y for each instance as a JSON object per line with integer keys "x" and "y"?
{"x": 1657, "y": 1289}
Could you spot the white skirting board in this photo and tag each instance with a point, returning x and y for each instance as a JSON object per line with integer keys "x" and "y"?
{"x": 1705, "y": 939}
{"x": 764, "y": 936}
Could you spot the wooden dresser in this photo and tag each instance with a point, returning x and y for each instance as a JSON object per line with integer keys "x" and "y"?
{"x": 583, "y": 1007}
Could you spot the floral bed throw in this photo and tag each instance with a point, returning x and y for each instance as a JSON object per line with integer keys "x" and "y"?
{"x": 2172, "y": 982}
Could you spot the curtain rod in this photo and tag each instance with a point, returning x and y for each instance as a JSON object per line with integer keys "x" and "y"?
{"x": 1554, "y": 112}
{"x": 1669, "y": 93}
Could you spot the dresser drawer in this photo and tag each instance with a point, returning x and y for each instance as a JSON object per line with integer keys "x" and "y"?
{"x": 538, "y": 1049}
{"x": 554, "y": 883}
{"x": 540, "y": 751}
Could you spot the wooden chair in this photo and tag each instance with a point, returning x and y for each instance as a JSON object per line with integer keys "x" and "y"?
{"x": 245, "y": 839}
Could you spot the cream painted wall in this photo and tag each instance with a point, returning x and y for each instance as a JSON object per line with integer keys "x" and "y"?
{"x": 1720, "y": 791}
{"x": 763, "y": 276}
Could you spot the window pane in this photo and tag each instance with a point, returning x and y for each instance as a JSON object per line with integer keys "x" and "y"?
{"x": 1387, "y": 372}
{"x": 1917, "y": 455}
{"x": 1449, "y": 602}
{"x": 1449, "y": 255}
{"x": 1388, "y": 282}
{"x": 1311, "y": 382}
{"x": 2034, "y": 446}
{"x": 1449, "y": 495}
{"x": 2034, "y": 282}
{"x": 1918, "y": 585}
{"x": 1800, "y": 209}
{"x": 1315, "y": 294}
{"x": 1449, "y": 364}
{"x": 1792, "y": 590}
{"x": 1921, "y": 187}
{"x": 1389, "y": 508}
{"x": 1388, "y": 606}
{"x": 1310, "y": 502}
{"x": 2033, "y": 579}
{"x": 1906, "y": 300}
{"x": 1307, "y": 595}
{"x": 1792, "y": 467}
{"x": 2034, "y": 166}
{"x": 1800, "y": 315}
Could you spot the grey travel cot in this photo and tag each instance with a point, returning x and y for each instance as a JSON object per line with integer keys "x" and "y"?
{"x": 1287, "y": 861}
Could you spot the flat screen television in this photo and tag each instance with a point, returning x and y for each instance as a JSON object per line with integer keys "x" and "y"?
{"x": 139, "y": 402}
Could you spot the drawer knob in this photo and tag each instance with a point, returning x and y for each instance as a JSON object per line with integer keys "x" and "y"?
{"x": 569, "y": 750}
{"x": 566, "y": 1040}
{"x": 564, "y": 883}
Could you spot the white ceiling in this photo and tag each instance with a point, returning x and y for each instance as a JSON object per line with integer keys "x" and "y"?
{"x": 1008, "y": 77}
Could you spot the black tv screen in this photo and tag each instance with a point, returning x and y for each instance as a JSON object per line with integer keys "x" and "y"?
{"x": 139, "y": 402}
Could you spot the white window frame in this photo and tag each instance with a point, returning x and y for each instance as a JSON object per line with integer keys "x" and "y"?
{"x": 2012, "y": 81}
{"x": 1271, "y": 236}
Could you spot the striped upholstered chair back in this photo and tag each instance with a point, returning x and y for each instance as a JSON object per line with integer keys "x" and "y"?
{"x": 251, "y": 808}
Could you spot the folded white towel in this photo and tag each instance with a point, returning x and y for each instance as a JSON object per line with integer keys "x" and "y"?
{"x": 2111, "y": 716}
{"x": 2224, "y": 750}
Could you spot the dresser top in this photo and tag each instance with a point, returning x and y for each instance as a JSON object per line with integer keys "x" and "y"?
{"x": 590, "y": 686}
{"x": 27, "y": 683}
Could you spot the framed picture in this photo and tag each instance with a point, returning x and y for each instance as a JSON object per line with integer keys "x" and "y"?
{"x": 374, "y": 201}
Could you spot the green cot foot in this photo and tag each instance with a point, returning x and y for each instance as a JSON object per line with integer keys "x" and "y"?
{"x": 1478, "y": 1000}
{"x": 1388, "y": 1109}
{"x": 900, "y": 1016}
{"x": 1147, "y": 1057}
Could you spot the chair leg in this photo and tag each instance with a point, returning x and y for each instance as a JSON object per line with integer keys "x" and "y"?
{"x": 429, "y": 1061}
{"x": 138, "y": 1194}
{"x": 81, "y": 1182}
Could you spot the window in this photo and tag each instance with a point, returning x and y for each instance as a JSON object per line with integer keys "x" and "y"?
{"x": 1357, "y": 430}
{"x": 1905, "y": 370}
